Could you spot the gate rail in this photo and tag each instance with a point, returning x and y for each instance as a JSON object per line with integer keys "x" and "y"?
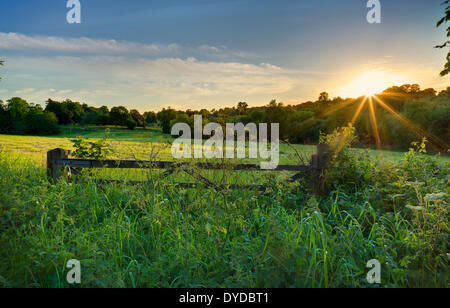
{"x": 58, "y": 159}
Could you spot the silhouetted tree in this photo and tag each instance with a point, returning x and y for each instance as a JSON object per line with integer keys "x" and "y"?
{"x": 324, "y": 97}
{"x": 242, "y": 108}
{"x": 150, "y": 117}
{"x": 443, "y": 21}
{"x": 119, "y": 116}
{"x": 166, "y": 116}
{"x": 138, "y": 118}
{"x": 103, "y": 117}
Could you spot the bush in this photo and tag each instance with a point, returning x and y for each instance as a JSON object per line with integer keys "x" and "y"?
{"x": 92, "y": 150}
{"x": 350, "y": 170}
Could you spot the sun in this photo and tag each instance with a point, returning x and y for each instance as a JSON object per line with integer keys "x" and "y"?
{"x": 370, "y": 83}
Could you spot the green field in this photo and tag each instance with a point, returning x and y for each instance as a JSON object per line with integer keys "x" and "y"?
{"x": 139, "y": 143}
{"x": 382, "y": 205}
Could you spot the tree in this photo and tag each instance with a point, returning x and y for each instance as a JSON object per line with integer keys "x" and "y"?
{"x": 415, "y": 88}
{"x": 17, "y": 108}
{"x": 150, "y": 117}
{"x": 166, "y": 116}
{"x": 103, "y": 117}
{"x": 430, "y": 92}
{"x": 242, "y": 108}
{"x": 324, "y": 97}
{"x": 67, "y": 112}
{"x": 119, "y": 116}
{"x": 257, "y": 115}
{"x": 75, "y": 111}
{"x": 41, "y": 122}
{"x": 442, "y": 21}
{"x": 445, "y": 93}
{"x": 138, "y": 118}
{"x": 58, "y": 110}
{"x": 5, "y": 120}
{"x": 20, "y": 117}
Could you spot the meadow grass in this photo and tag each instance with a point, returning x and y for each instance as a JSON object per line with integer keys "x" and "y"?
{"x": 150, "y": 142}
{"x": 160, "y": 235}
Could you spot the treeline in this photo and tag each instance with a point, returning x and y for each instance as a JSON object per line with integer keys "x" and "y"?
{"x": 392, "y": 119}
{"x": 401, "y": 115}
{"x": 68, "y": 112}
{"x": 19, "y": 116}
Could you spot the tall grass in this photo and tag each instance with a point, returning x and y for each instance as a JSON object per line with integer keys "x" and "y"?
{"x": 162, "y": 236}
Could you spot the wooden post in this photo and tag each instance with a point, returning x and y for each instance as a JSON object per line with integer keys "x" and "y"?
{"x": 319, "y": 163}
{"x": 323, "y": 155}
{"x": 54, "y": 169}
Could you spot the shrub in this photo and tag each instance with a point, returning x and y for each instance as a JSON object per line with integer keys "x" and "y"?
{"x": 350, "y": 170}
{"x": 93, "y": 149}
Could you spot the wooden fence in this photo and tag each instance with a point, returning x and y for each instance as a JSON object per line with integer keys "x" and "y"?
{"x": 59, "y": 159}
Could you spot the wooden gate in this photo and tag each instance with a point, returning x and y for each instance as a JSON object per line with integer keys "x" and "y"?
{"x": 59, "y": 159}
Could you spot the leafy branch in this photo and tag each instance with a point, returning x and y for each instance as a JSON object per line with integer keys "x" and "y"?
{"x": 443, "y": 20}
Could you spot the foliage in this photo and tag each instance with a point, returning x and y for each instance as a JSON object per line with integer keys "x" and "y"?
{"x": 137, "y": 118}
{"x": 119, "y": 115}
{"x": 67, "y": 112}
{"x": 18, "y": 116}
{"x": 164, "y": 236}
{"x": 40, "y": 123}
{"x": 407, "y": 113}
{"x": 150, "y": 117}
{"x": 349, "y": 170}
{"x": 165, "y": 117}
{"x": 131, "y": 124}
{"x": 324, "y": 97}
{"x": 92, "y": 149}
{"x": 403, "y": 114}
{"x": 443, "y": 21}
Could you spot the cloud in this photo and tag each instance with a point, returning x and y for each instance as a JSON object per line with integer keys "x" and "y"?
{"x": 15, "y": 41}
{"x": 142, "y": 76}
{"x": 139, "y": 81}
{"x": 24, "y": 91}
{"x": 84, "y": 45}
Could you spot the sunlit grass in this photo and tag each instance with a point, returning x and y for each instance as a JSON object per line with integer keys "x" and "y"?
{"x": 163, "y": 236}
{"x": 145, "y": 144}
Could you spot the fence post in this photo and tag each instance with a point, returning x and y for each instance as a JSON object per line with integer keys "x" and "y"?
{"x": 54, "y": 169}
{"x": 323, "y": 155}
{"x": 319, "y": 163}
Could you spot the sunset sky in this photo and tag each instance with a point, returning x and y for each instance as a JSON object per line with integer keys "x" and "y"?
{"x": 214, "y": 53}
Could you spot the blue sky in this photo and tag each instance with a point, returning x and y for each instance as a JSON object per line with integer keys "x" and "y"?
{"x": 211, "y": 53}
